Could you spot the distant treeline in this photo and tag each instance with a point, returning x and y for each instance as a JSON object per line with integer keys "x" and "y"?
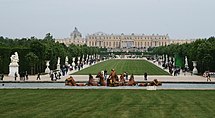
{"x": 33, "y": 53}
{"x": 202, "y": 51}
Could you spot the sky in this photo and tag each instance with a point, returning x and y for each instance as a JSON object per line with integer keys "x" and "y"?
{"x": 180, "y": 19}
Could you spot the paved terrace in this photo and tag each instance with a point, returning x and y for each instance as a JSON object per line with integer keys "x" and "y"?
{"x": 162, "y": 78}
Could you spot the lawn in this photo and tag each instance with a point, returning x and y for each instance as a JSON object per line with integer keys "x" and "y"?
{"x": 137, "y": 67}
{"x": 106, "y": 103}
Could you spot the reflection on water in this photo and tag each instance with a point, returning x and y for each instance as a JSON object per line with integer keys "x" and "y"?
{"x": 62, "y": 85}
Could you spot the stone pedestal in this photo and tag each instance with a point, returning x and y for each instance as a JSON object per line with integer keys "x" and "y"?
{"x": 13, "y": 68}
{"x": 73, "y": 65}
{"x": 47, "y": 70}
{"x": 58, "y": 66}
{"x": 195, "y": 71}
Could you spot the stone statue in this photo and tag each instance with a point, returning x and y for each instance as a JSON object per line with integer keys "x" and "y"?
{"x": 58, "y": 61}
{"x": 14, "y": 58}
{"x": 186, "y": 62}
{"x": 47, "y": 63}
{"x": 66, "y": 61}
{"x": 14, "y": 66}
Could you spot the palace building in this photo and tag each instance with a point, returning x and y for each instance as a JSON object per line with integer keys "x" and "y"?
{"x": 121, "y": 41}
{"x": 75, "y": 38}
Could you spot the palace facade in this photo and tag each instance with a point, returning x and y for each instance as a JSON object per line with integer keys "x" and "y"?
{"x": 121, "y": 41}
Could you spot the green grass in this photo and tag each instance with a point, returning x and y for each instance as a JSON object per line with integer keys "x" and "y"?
{"x": 137, "y": 67}
{"x": 106, "y": 103}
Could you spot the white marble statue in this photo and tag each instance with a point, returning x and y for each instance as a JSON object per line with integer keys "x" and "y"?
{"x": 58, "y": 61}
{"x": 66, "y": 60}
{"x": 47, "y": 63}
{"x": 186, "y": 62}
{"x": 47, "y": 70}
{"x": 14, "y": 58}
{"x": 14, "y": 66}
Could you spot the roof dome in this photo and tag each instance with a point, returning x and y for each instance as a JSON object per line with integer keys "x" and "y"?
{"x": 75, "y": 33}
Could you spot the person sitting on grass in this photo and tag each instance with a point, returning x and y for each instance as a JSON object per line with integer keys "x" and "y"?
{"x": 131, "y": 81}
{"x": 71, "y": 82}
{"x": 91, "y": 81}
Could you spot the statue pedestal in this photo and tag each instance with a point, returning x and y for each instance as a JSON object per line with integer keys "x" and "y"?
{"x": 47, "y": 70}
{"x": 58, "y": 66}
{"x": 13, "y": 68}
{"x": 73, "y": 65}
{"x": 195, "y": 71}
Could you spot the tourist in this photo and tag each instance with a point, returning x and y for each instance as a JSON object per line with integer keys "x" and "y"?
{"x": 55, "y": 74}
{"x": 59, "y": 74}
{"x": 26, "y": 75}
{"x": 105, "y": 74}
{"x": 15, "y": 75}
{"x": 52, "y": 76}
{"x": 145, "y": 76}
{"x": 126, "y": 75}
{"x": 38, "y": 76}
{"x": 191, "y": 73}
{"x": 208, "y": 76}
{"x": 2, "y": 76}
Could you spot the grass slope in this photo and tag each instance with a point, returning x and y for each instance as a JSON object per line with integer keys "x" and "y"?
{"x": 137, "y": 67}
{"x": 106, "y": 103}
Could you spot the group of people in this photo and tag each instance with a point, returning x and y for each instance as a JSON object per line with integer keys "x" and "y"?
{"x": 207, "y": 75}
{"x": 23, "y": 76}
{"x": 112, "y": 80}
{"x": 55, "y": 75}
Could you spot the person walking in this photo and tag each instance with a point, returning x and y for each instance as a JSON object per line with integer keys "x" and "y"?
{"x": 145, "y": 76}
{"x": 105, "y": 74}
{"x": 52, "y": 76}
{"x": 26, "y": 75}
{"x": 15, "y": 75}
{"x": 38, "y": 76}
{"x": 126, "y": 75}
{"x": 208, "y": 76}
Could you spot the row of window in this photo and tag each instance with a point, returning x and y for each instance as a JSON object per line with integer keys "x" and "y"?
{"x": 117, "y": 44}
{"x": 128, "y": 38}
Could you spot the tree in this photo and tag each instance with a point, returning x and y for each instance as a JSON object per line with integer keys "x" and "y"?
{"x": 32, "y": 61}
